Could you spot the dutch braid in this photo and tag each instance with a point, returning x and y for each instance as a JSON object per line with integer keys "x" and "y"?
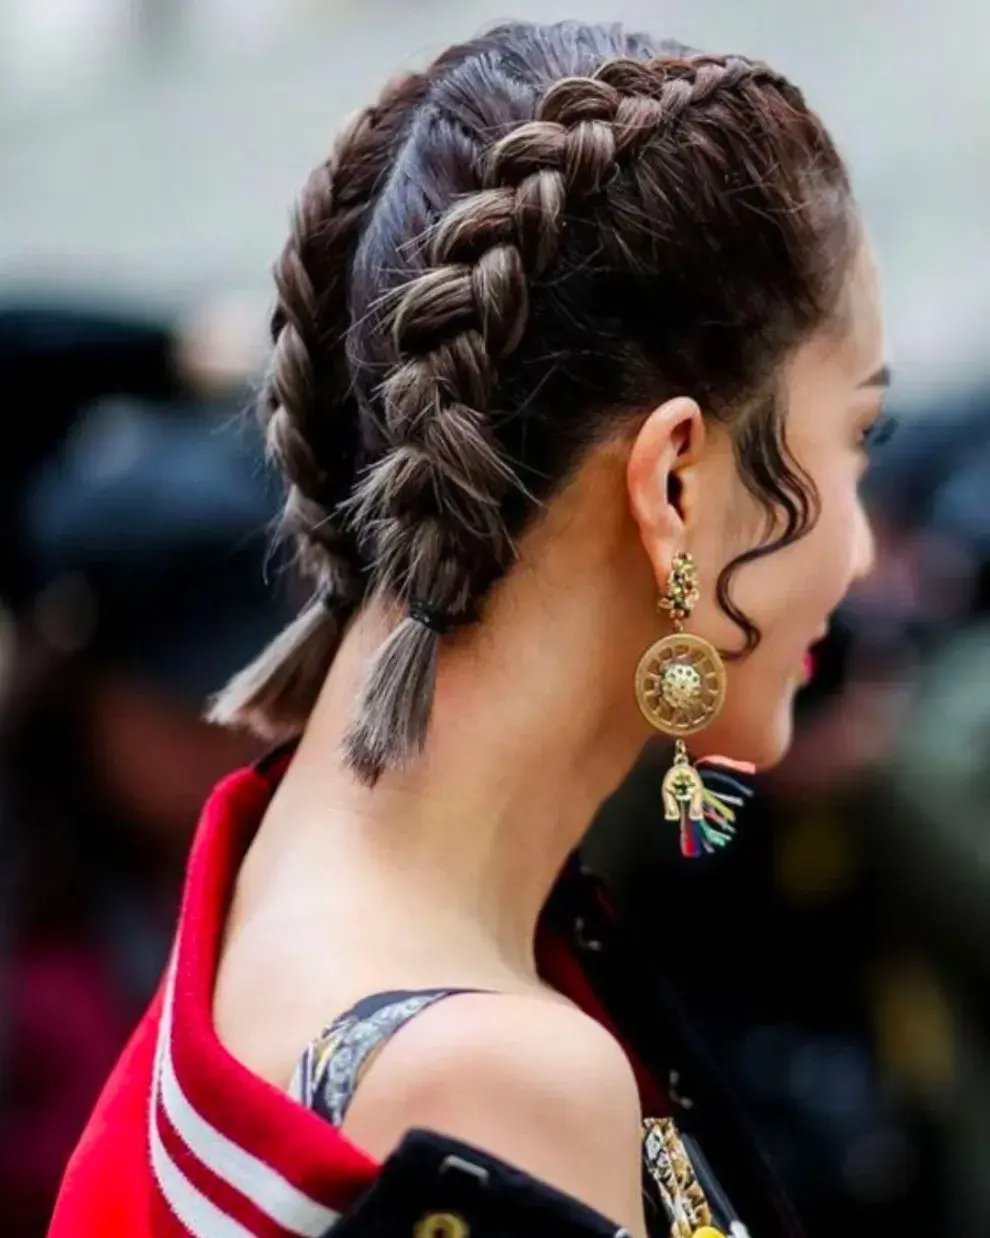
{"x": 309, "y": 415}
{"x": 429, "y": 513}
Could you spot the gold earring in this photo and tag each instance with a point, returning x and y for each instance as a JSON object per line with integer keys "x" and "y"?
{"x": 680, "y": 689}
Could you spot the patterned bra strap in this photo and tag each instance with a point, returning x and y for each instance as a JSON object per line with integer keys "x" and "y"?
{"x": 327, "y": 1074}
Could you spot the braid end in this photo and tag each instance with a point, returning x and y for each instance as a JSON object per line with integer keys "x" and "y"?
{"x": 392, "y": 714}
{"x": 274, "y": 696}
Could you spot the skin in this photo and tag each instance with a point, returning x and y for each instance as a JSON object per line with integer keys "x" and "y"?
{"x": 535, "y": 722}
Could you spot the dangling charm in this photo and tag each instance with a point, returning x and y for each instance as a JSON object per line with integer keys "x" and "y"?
{"x": 704, "y": 802}
{"x": 684, "y": 800}
{"x": 680, "y": 688}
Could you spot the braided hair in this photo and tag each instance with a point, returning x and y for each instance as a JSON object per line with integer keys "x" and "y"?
{"x": 541, "y": 238}
{"x": 308, "y": 410}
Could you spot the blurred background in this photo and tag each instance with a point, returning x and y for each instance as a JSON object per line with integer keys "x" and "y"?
{"x": 837, "y": 955}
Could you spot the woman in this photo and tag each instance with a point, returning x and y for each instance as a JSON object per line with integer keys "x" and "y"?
{"x": 569, "y": 321}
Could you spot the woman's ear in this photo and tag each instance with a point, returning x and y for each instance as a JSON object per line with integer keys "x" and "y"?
{"x": 659, "y": 477}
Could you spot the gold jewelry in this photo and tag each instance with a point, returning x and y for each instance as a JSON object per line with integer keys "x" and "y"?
{"x": 675, "y": 1177}
{"x": 680, "y": 679}
{"x": 680, "y": 689}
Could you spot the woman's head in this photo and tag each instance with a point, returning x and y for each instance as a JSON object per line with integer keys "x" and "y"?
{"x": 558, "y": 251}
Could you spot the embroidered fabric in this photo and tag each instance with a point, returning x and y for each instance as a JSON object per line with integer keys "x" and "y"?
{"x": 327, "y": 1074}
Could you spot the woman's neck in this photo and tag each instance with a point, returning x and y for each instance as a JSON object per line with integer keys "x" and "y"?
{"x": 533, "y": 725}
{"x": 479, "y": 828}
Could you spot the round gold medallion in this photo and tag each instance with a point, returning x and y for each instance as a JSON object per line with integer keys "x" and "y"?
{"x": 680, "y": 684}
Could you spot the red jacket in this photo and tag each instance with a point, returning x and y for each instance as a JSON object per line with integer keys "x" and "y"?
{"x": 184, "y": 1139}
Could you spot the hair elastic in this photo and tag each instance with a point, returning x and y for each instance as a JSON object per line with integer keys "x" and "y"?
{"x": 336, "y": 603}
{"x": 437, "y": 621}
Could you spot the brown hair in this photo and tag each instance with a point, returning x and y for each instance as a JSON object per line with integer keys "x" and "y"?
{"x": 551, "y": 230}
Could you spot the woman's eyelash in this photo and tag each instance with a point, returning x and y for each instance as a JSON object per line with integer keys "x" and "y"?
{"x": 879, "y": 431}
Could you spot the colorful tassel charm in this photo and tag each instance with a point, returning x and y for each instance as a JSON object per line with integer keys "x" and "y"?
{"x": 704, "y": 803}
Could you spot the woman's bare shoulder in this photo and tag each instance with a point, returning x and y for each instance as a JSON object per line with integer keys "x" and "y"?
{"x": 529, "y": 1079}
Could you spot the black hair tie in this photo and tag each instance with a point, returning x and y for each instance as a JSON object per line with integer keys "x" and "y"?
{"x": 437, "y": 621}
{"x": 336, "y": 603}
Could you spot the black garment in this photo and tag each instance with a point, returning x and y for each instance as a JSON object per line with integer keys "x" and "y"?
{"x": 436, "y": 1187}
{"x": 450, "y": 1190}
{"x": 626, "y": 972}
